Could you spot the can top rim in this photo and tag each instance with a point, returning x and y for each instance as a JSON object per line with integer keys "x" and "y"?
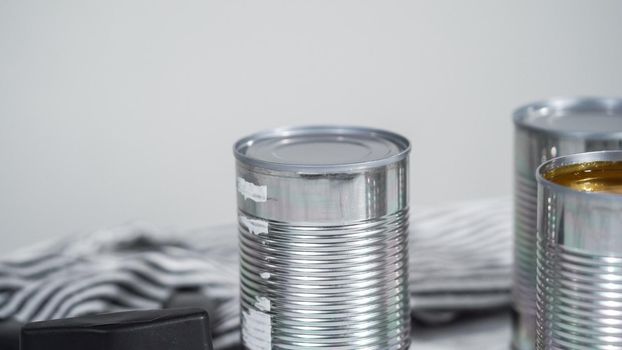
{"x": 560, "y": 107}
{"x": 388, "y": 148}
{"x": 578, "y": 158}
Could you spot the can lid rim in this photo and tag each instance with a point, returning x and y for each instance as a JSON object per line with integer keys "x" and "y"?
{"x": 400, "y": 141}
{"x": 606, "y": 105}
{"x": 577, "y": 158}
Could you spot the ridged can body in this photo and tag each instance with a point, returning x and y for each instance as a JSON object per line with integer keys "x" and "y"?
{"x": 579, "y": 263}
{"x": 540, "y": 135}
{"x": 324, "y": 255}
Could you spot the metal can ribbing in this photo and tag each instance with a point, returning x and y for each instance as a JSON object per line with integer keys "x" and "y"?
{"x": 323, "y": 230}
{"x": 579, "y": 279}
{"x": 546, "y": 130}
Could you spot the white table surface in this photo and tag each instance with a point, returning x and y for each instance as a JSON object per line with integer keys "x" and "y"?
{"x": 485, "y": 332}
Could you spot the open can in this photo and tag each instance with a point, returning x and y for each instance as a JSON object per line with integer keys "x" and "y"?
{"x": 579, "y": 252}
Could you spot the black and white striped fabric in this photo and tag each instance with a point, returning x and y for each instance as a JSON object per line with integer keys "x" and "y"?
{"x": 460, "y": 258}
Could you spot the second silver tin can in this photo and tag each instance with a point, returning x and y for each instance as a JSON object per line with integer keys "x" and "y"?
{"x": 579, "y": 280}
{"x": 323, "y": 229}
{"x": 545, "y": 130}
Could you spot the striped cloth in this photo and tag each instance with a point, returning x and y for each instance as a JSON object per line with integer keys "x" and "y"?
{"x": 460, "y": 261}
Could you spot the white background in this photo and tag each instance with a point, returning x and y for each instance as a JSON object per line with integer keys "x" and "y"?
{"x": 113, "y": 111}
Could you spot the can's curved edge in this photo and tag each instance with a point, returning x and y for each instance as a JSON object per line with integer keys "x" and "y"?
{"x": 598, "y": 156}
{"x": 402, "y": 142}
{"x": 606, "y": 105}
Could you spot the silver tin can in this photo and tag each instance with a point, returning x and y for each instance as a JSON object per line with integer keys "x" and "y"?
{"x": 323, "y": 230}
{"x": 579, "y": 249}
{"x": 545, "y": 130}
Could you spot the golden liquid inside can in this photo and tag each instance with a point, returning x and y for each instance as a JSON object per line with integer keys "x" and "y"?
{"x": 600, "y": 176}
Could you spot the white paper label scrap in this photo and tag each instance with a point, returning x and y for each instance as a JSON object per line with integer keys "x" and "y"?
{"x": 262, "y": 303}
{"x": 254, "y": 226}
{"x": 249, "y": 190}
{"x": 257, "y": 326}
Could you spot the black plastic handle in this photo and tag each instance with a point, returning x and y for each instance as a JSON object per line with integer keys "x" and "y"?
{"x": 168, "y": 329}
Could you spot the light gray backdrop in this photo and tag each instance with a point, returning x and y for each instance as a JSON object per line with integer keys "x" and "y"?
{"x": 120, "y": 110}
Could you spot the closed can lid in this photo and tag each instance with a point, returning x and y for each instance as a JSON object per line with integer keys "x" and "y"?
{"x": 321, "y": 149}
{"x": 588, "y": 117}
